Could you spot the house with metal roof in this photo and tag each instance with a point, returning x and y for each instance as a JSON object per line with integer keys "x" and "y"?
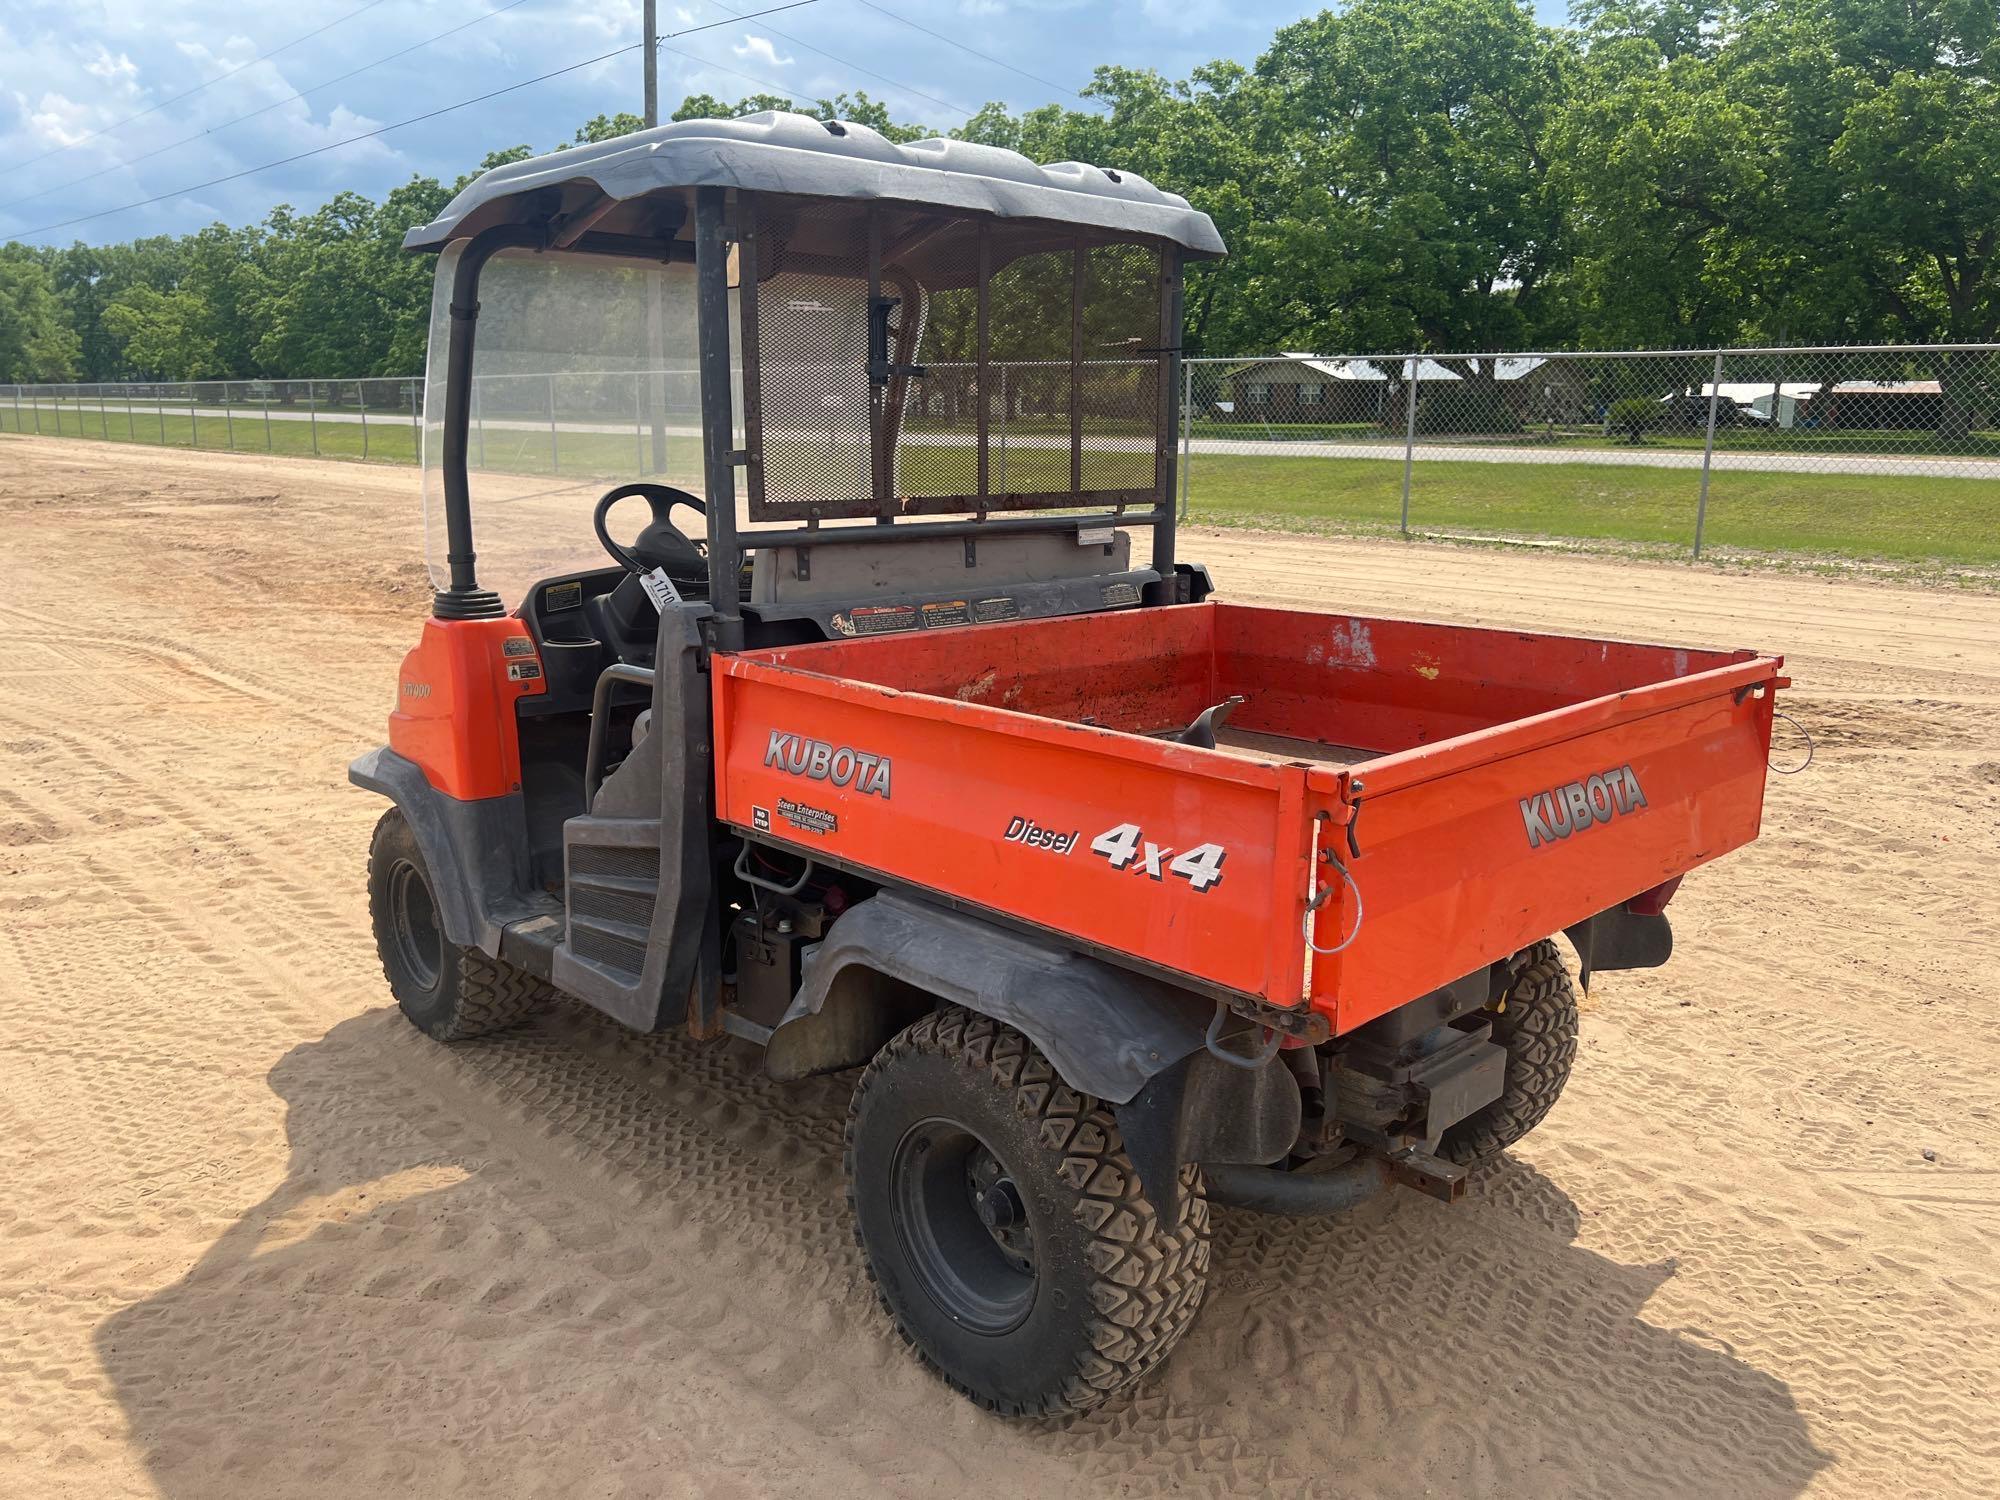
{"x": 1496, "y": 393}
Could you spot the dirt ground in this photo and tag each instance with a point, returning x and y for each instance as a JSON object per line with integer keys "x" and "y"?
{"x": 260, "y": 1238}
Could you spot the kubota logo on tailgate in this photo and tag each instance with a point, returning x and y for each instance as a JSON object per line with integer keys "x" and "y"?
{"x": 799, "y": 756}
{"x": 1564, "y": 810}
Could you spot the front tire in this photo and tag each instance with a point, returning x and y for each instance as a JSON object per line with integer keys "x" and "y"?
{"x": 445, "y": 991}
{"x": 1536, "y": 1022}
{"x": 1004, "y": 1226}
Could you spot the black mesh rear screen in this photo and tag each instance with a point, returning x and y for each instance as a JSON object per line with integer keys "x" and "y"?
{"x": 812, "y": 379}
{"x": 1058, "y": 406}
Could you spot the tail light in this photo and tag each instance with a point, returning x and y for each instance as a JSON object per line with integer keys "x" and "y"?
{"x": 1652, "y": 903}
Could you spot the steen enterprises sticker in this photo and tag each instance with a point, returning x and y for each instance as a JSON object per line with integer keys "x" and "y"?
{"x": 807, "y": 818}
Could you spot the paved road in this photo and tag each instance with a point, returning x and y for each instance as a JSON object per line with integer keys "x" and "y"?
{"x": 1954, "y": 466}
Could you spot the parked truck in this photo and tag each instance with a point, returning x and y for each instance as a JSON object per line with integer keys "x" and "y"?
{"x": 884, "y": 746}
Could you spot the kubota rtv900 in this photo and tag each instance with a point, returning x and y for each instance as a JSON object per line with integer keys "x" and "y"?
{"x": 879, "y": 745}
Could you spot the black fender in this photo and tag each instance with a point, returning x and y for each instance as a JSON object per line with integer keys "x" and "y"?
{"x": 1105, "y": 1029}
{"x": 1135, "y": 1042}
{"x": 477, "y": 851}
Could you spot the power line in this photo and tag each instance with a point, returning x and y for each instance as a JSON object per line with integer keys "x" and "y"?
{"x": 957, "y": 109}
{"x": 380, "y": 130}
{"x": 189, "y": 93}
{"x": 134, "y": 161}
{"x": 667, "y": 36}
{"x": 763, "y": 83}
{"x": 997, "y": 62}
{"x": 693, "y": 57}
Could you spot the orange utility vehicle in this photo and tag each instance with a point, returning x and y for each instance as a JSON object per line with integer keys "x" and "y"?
{"x": 1123, "y": 900}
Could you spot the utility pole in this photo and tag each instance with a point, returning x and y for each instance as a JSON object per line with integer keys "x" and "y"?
{"x": 652, "y": 22}
{"x": 655, "y": 319}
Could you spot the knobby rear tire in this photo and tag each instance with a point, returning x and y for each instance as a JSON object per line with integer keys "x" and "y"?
{"x": 1538, "y": 1029}
{"x": 1115, "y": 1286}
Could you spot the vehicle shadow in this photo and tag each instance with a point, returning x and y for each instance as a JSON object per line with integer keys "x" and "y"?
{"x": 1412, "y": 1348}
{"x": 577, "y": 1261}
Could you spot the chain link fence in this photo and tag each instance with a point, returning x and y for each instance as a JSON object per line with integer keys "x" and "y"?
{"x": 372, "y": 419}
{"x": 1890, "y": 450}
{"x": 1878, "y": 451}
{"x": 572, "y": 423}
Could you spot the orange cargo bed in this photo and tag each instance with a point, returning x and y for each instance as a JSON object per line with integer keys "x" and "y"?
{"x": 1498, "y": 786}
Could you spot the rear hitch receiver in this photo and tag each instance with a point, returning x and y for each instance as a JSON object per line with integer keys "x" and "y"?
{"x": 1430, "y": 1175}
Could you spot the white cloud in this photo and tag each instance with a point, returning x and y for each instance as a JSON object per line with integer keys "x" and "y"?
{"x": 982, "y": 7}
{"x": 234, "y": 52}
{"x": 759, "y": 49}
{"x": 620, "y": 20}
{"x": 58, "y": 120}
{"x": 119, "y": 71}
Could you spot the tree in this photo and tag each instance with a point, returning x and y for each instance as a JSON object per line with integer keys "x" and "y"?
{"x": 708, "y": 107}
{"x": 36, "y": 342}
{"x": 605, "y": 128}
{"x": 318, "y": 312}
{"x": 1814, "y": 172}
{"x": 1817, "y": 171}
{"x": 403, "y": 282}
{"x": 89, "y": 277}
{"x": 162, "y": 334}
{"x": 1415, "y": 208}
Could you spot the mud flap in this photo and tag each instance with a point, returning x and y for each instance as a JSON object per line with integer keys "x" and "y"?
{"x": 1620, "y": 939}
{"x": 1203, "y": 1110}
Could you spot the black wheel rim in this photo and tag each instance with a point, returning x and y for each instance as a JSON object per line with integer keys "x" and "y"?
{"x": 419, "y": 943}
{"x": 963, "y": 1227}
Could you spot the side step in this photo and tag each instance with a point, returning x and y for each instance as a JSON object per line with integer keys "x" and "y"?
{"x": 612, "y": 886}
{"x": 612, "y": 889}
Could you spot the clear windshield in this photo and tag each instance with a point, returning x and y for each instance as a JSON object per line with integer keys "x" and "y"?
{"x": 584, "y": 377}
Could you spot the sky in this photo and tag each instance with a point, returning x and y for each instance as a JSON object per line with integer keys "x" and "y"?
{"x": 104, "y": 103}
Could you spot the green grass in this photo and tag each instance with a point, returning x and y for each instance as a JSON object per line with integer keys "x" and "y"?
{"x": 1747, "y": 437}
{"x": 1904, "y": 518}
{"x": 1899, "y": 518}
{"x": 1790, "y": 442}
{"x": 388, "y": 438}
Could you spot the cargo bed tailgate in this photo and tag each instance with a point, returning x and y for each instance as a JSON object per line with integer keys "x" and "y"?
{"x": 1475, "y": 847}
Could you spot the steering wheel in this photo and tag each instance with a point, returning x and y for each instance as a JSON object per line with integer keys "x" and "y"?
{"x": 661, "y": 544}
